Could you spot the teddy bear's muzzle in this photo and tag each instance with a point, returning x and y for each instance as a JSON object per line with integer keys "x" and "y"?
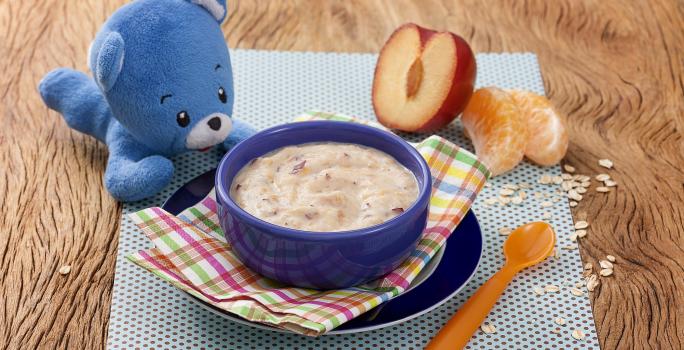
{"x": 209, "y": 131}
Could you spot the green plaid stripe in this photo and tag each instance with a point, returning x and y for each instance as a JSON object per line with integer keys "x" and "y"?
{"x": 190, "y": 253}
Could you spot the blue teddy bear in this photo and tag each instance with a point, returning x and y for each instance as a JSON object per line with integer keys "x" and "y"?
{"x": 162, "y": 85}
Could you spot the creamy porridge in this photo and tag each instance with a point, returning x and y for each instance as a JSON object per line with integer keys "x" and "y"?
{"x": 324, "y": 187}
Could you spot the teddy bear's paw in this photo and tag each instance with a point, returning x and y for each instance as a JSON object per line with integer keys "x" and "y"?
{"x": 131, "y": 181}
{"x": 241, "y": 131}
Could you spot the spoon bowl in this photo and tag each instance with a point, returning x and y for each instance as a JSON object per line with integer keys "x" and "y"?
{"x": 529, "y": 244}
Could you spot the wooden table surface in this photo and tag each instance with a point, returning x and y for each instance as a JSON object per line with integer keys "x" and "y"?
{"x": 615, "y": 69}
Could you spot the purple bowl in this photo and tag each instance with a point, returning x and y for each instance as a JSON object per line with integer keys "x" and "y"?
{"x": 322, "y": 260}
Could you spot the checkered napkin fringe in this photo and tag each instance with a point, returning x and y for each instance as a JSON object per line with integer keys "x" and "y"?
{"x": 191, "y": 253}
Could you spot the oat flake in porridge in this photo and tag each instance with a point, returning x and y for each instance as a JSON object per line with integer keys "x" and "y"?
{"x": 325, "y": 187}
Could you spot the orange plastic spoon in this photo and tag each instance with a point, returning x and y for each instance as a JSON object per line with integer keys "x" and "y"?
{"x": 527, "y": 245}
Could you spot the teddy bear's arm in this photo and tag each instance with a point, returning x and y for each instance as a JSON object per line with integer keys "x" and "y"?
{"x": 134, "y": 172}
{"x": 240, "y": 131}
{"x": 76, "y": 96}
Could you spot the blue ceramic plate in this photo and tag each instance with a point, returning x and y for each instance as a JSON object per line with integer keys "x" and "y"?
{"x": 446, "y": 274}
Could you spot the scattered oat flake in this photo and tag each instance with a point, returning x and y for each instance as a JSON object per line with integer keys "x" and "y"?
{"x": 546, "y": 216}
{"x": 579, "y": 284}
{"x": 606, "y": 272}
{"x": 573, "y": 237}
{"x": 490, "y": 201}
{"x": 602, "y": 177}
{"x": 573, "y": 204}
{"x": 581, "y": 224}
{"x": 557, "y": 179}
{"x": 539, "y": 291}
{"x": 504, "y": 200}
{"x": 581, "y": 190}
{"x": 545, "y": 179}
{"x": 555, "y": 331}
{"x": 570, "y": 247}
{"x": 585, "y": 184}
{"x": 602, "y": 189}
{"x": 513, "y": 187}
{"x": 606, "y": 163}
{"x": 566, "y": 186}
{"x": 592, "y": 283}
{"x": 581, "y": 233}
{"x": 505, "y": 230}
{"x": 610, "y": 258}
{"x": 552, "y": 288}
{"x": 559, "y": 321}
{"x": 488, "y": 328}
{"x": 576, "y": 292}
{"x": 516, "y": 200}
{"x": 588, "y": 266}
{"x": 569, "y": 168}
{"x": 566, "y": 176}
{"x": 64, "y": 270}
{"x": 605, "y": 264}
{"x": 546, "y": 204}
{"x": 572, "y": 194}
{"x": 506, "y": 192}
{"x": 577, "y": 334}
{"x": 610, "y": 183}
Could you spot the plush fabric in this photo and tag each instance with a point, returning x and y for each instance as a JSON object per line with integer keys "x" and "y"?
{"x": 162, "y": 84}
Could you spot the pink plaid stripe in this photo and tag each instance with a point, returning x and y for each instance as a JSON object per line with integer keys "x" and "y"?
{"x": 190, "y": 253}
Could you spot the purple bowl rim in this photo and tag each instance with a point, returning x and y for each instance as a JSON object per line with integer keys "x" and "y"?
{"x": 419, "y": 205}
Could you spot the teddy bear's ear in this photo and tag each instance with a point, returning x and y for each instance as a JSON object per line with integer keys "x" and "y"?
{"x": 217, "y": 8}
{"x": 109, "y": 61}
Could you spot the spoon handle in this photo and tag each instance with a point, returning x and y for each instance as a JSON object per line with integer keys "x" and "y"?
{"x": 460, "y": 328}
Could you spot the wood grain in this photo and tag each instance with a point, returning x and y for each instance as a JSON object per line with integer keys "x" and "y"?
{"x": 616, "y": 69}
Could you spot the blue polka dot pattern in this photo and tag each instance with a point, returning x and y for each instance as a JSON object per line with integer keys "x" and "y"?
{"x": 273, "y": 87}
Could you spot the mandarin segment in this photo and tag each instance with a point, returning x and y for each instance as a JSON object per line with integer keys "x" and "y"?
{"x": 549, "y": 141}
{"x": 494, "y": 123}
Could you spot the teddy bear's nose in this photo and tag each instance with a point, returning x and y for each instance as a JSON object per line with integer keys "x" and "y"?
{"x": 214, "y": 123}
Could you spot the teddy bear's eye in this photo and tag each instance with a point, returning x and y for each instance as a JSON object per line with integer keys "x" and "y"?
{"x": 222, "y": 95}
{"x": 183, "y": 118}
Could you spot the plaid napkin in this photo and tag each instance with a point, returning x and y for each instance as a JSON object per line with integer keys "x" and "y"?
{"x": 191, "y": 253}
